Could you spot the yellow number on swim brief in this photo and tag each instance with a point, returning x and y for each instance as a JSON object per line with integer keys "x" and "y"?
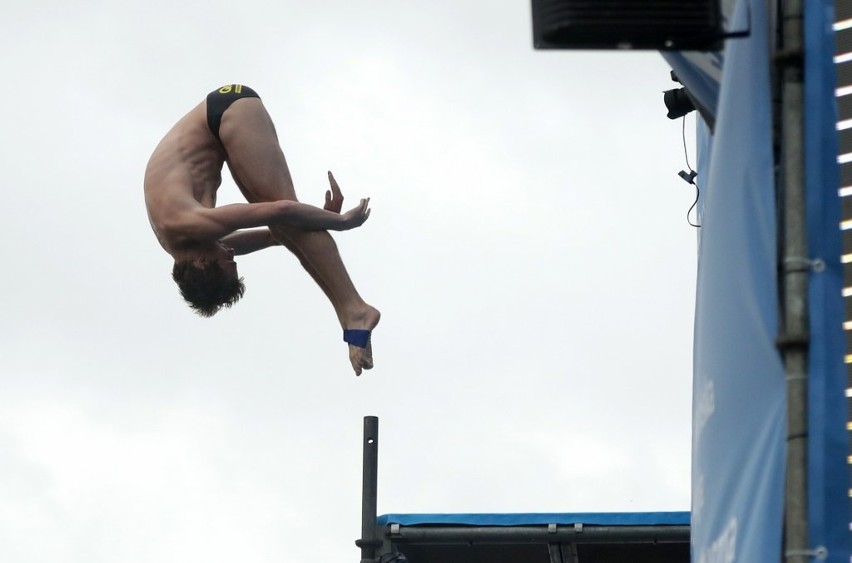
{"x": 238, "y": 88}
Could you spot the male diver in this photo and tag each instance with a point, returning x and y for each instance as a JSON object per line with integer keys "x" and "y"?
{"x": 181, "y": 180}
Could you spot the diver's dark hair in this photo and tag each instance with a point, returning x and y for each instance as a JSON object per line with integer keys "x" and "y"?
{"x": 207, "y": 289}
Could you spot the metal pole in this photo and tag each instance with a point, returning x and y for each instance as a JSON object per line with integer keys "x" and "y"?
{"x": 793, "y": 341}
{"x": 369, "y": 491}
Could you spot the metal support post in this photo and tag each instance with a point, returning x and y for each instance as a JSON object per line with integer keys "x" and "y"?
{"x": 795, "y": 270}
{"x": 369, "y": 542}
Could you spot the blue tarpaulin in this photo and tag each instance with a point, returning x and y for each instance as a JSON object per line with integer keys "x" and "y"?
{"x": 739, "y": 404}
{"x": 536, "y": 519}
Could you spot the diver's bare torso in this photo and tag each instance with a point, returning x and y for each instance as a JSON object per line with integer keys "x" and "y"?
{"x": 184, "y": 172}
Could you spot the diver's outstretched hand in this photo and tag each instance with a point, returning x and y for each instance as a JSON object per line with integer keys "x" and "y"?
{"x": 356, "y": 216}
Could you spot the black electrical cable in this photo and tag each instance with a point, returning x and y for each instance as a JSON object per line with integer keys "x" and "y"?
{"x": 689, "y": 177}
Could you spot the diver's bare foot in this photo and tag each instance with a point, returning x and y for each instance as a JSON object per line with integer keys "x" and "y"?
{"x": 366, "y": 319}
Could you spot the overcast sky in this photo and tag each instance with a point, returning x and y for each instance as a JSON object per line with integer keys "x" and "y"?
{"x": 528, "y": 248}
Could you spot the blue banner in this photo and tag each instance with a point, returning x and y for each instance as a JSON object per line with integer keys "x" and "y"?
{"x": 739, "y": 410}
{"x": 828, "y": 477}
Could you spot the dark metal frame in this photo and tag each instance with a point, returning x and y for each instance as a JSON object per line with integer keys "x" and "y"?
{"x": 563, "y": 542}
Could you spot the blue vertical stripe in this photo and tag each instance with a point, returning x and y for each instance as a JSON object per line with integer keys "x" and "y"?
{"x": 828, "y": 476}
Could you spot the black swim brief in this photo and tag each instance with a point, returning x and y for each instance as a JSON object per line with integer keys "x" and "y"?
{"x": 220, "y": 100}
